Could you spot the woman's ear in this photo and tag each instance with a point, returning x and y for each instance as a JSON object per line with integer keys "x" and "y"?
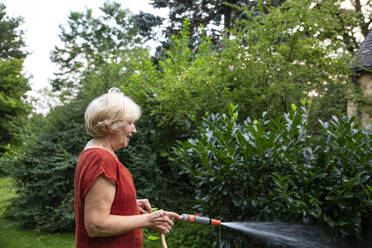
{"x": 109, "y": 129}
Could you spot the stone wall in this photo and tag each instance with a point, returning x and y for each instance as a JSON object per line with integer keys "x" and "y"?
{"x": 366, "y": 107}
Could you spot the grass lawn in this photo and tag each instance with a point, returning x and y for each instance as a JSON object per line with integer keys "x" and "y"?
{"x": 13, "y": 237}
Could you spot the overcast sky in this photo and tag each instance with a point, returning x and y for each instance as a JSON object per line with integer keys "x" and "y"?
{"x": 41, "y": 21}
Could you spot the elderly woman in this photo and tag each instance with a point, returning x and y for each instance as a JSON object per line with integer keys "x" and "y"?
{"x": 107, "y": 212}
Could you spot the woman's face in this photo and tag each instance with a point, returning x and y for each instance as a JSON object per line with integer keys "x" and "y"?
{"x": 123, "y": 135}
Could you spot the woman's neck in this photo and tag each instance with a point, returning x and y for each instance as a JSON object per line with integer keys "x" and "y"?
{"x": 100, "y": 143}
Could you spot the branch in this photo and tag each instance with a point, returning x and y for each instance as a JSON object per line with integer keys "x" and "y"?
{"x": 345, "y": 35}
{"x": 364, "y": 25}
{"x": 284, "y": 104}
{"x": 206, "y": 19}
{"x": 358, "y": 6}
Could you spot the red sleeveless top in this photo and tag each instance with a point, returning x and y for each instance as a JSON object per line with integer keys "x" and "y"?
{"x": 92, "y": 163}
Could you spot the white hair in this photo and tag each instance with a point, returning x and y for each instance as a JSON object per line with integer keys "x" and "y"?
{"x": 113, "y": 110}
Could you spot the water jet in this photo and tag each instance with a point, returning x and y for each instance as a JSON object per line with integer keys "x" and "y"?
{"x": 278, "y": 234}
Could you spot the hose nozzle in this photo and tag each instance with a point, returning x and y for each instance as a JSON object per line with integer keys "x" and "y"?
{"x": 200, "y": 220}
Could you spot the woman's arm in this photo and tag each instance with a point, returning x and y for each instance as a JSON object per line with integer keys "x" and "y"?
{"x": 99, "y": 223}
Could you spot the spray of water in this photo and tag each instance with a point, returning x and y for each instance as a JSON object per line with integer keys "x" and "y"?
{"x": 283, "y": 234}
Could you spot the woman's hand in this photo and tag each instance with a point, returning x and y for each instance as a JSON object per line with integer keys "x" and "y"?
{"x": 162, "y": 220}
{"x": 144, "y": 206}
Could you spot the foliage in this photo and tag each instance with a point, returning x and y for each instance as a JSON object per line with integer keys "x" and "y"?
{"x": 183, "y": 84}
{"x": 347, "y": 22}
{"x": 273, "y": 61}
{"x": 13, "y": 84}
{"x": 278, "y": 59}
{"x": 91, "y": 41}
{"x": 154, "y": 175}
{"x": 6, "y": 193}
{"x": 265, "y": 64}
{"x": 146, "y": 23}
{"x": 13, "y": 109}
{"x": 216, "y": 16}
{"x": 11, "y": 38}
{"x": 43, "y": 172}
{"x": 43, "y": 168}
{"x": 272, "y": 170}
{"x": 183, "y": 235}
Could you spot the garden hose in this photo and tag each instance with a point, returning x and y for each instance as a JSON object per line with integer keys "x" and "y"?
{"x": 162, "y": 239}
{"x": 190, "y": 218}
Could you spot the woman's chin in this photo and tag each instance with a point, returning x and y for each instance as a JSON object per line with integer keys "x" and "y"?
{"x": 124, "y": 144}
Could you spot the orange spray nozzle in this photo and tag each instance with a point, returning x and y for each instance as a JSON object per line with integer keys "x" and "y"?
{"x": 215, "y": 222}
{"x": 200, "y": 220}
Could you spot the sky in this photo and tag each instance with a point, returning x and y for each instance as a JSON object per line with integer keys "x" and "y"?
{"x": 41, "y": 25}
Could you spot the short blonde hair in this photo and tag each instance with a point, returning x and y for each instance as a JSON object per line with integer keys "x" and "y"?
{"x": 113, "y": 110}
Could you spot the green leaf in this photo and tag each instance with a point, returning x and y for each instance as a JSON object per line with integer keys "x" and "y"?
{"x": 152, "y": 238}
{"x": 294, "y": 108}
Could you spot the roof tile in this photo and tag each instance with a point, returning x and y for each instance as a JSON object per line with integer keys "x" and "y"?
{"x": 364, "y": 53}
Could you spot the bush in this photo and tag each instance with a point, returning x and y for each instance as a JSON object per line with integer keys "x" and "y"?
{"x": 266, "y": 63}
{"x": 43, "y": 171}
{"x": 272, "y": 170}
{"x": 43, "y": 168}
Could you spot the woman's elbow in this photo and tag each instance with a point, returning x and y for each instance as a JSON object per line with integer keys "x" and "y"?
{"x": 94, "y": 230}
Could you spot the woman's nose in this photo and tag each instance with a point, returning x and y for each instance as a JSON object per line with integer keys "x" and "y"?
{"x": 134, "y": 130}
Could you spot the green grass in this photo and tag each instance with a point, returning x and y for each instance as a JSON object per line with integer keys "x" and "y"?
{"x": 12, "y": 236}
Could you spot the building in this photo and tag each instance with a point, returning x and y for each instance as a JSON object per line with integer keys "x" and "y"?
{"x": 363, "y": 79}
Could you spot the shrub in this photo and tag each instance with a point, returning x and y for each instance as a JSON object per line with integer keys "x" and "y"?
{"x": 271, "y": 169}
{"x": 266, "y": 63}
{"x": 43, "y": 171}
{"x": 43, "y": 168}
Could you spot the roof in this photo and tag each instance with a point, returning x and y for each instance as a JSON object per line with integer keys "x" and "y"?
{"x": 364, "y": 53}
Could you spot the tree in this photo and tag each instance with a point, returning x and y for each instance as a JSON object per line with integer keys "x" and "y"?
{"x": 12, "y": 106}
{"x": 348, "y": 21}
{"x": 90, "y": 41}
{"x": 216, "y": 16}
{"x": 269, "y": 62}
{"x": 50, "y": 153}
{"x": 13, "y": 85}
{"x": 199, "y": 12}
{"x": 145, "y": 23}
{"x": 11, "y": 38}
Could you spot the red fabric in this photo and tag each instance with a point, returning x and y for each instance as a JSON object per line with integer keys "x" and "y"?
{"x": 92, "y": 163}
